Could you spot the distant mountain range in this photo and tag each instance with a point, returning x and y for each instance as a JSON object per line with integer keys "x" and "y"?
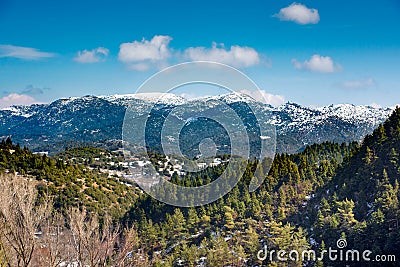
{"x": 97, "y": 120}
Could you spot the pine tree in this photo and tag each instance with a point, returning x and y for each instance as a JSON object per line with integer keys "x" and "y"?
{"x": 320, "y": 220}
{"x": 251, "y": 241}
{"x": 386, "y": 198}
{"x": 218, "y": 254}
{"x": 325, "y": 207}
{"x": 381, "y": 133}
{"x": 394, "y": 157}
{"x": 229, "y": 222}
{"x": 345, "y": 213}
{"x": 176, "y": 225}
{"x": 189, "y": 254}
{"x": 321, "y": 250}
{"x": 192, "y": 220}
{"x": 369, "y": 155}
{"x": 377, "y": 217}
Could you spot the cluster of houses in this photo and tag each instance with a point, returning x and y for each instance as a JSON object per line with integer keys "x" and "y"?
{"x": 148, "y": 174}
{"x": 138, "y": 168}
{"x": 173, "y": 165}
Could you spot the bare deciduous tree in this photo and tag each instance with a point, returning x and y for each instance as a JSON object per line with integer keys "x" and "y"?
{"x": 20, "y": 219}
{"x": 33, "y": 234}
{"x": 93, "y": 243}
{"x": 54, "y": 243}
{"x": 129, "y": 254}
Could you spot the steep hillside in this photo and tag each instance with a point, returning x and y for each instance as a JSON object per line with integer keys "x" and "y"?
{"x": 361, "y": 201}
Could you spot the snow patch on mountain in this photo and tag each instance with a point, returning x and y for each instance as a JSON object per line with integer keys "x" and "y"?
{"x": 230, "y": 98}
{"x": 21, "y": 111}
{"x": 351, "y": 113}
{"x": 154, "y": 98}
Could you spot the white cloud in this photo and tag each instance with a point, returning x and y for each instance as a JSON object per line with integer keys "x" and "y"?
{"x": 358, "y": 84}
{"x": 145, "y": 54}
{"x": 237, "y": 56}
{"x": 299, "y": 13}
{"x": 20, "y": 52}
{"x": 91, "y": 56}
{"x": 266, "y": 98}
{"x": 318, "y": 63}
{"x": 141, "y": 55}
{"x": 16, "y": 99}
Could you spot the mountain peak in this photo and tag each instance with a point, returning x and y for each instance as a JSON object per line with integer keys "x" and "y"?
{"x": 153, "y": 97}
{"x": 231, "y": 98}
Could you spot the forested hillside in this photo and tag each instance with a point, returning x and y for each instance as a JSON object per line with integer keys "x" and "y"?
{"x": 308, "y": 200}
{"x": 69, "y": 184}
{"x": 362, "y": 199}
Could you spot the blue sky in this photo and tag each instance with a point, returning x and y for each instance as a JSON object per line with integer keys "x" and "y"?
{"x": 315, "y": 52}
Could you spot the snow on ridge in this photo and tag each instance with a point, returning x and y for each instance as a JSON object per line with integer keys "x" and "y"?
{"x": 154, "y": 97}
{"x": 293, "y": 114}
{"x": 68, "y": 100}
{"x": 229, "y": 98}
{"x": 17, "y": 111}
{"x": 350, "y": 112}
{"x": 22, "y": 111}
{"x": 12, "y": 109}
{"x": 296, "y": 116}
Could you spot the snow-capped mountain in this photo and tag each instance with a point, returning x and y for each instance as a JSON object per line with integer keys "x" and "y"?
{"x": 230, "y": 98}
{"x": 338, "y": 123}
{"x": 154, "y": 98}
{"x": 96, "y": 120}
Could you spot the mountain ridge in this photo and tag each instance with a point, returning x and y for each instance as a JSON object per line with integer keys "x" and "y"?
{"x": 91, "y": 119}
